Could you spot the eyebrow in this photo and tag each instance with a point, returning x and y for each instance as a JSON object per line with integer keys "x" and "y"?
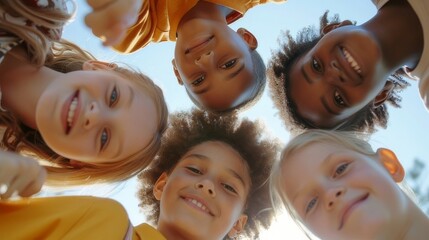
{"x": 230, "y": 76}
{"x": 326, "y": 106}
{"x": 306, "y": 77}
{"x": 205, "y": 158}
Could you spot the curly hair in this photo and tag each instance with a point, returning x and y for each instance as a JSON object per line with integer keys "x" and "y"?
{"x": 188, "y": 129}
{"x": 260, "y": 79}
{"x": 290, "y": 52}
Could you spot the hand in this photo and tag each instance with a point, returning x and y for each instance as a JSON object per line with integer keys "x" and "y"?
{"x": 20, "y": 174}
{"x": 110, "y": 19}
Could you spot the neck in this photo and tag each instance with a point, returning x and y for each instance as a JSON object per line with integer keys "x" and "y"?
{"x": 22, "y": 84}
{"x": 416, "y": 226}
{"x": 206, "y": 10}
{"x": 399, "y": 32}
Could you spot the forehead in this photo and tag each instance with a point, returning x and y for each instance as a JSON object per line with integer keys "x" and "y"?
{"x": 138, "y": 120}
{"x": 219, "y": 155}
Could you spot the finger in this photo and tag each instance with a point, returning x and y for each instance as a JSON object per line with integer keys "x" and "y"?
{"x": 11, "y": 189}
{"x": 34, "y": 186}
{"x": 96, "y": 25}
{"x": 115, "y": 35}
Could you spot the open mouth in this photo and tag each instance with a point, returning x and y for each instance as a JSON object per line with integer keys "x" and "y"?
{"x": 350, "y": 208}
{"x": 352, "y": 62}
{"x": 70, "y": 112}
{"x": 199, "y": 45}
{"x": 197, "y": 204}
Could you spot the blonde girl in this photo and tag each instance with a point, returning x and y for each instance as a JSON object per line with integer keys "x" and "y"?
{"x": 88, "y": 121}
{"x": 337, "y": 187}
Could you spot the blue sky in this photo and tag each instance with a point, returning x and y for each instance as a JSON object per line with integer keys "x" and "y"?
{"x": 407, "y": 132}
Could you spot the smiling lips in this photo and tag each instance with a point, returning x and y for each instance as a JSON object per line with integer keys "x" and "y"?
{"x": 197, "y": 204}
{"x": 348, "y": 209}
{"x": 188, "y": 50}
{"x": 70, "y": 112}
{"x": 353, "y": 63}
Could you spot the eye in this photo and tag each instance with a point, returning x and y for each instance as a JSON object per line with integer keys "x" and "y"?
{"x": 311, "y": 205}
{"x": 316, "y": 65}
{"x": 114, "y": 96}
{"x": 229, "y": 188}
{"x": 199, "y": 80}
{"x": 340, "y": 169}
{"x": 194, "y": 170}
{"x": 229, "y": 64}
{"x": 104, "y": 139}
{"x": 338, "y": 99}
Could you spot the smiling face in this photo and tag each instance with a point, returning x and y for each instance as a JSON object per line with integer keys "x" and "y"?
{"x": 342, "y": 194}
{"x": 339, "y": 76}
{"x": 95, "y": 116}
{"x": 205, "y": 194}
{"x": 215, "y": 65}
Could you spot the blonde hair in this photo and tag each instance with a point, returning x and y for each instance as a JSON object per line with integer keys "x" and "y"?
{"x": 67, "y": 57}
{"x": 48, "y": 19}
{"x": 355, "y": 141}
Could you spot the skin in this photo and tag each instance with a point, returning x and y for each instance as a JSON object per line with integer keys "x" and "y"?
{"x": 342, "y": 194}
{"x": 379, "y": 47}
{"x": 105, "y": 128}
{"x": 213, "y": 173}
{"x": 212, "y": 60}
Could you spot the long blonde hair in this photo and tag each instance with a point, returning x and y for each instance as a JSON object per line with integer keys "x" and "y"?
{"x": 68, "y": 57}
{"x": 36, "y": 42}
{"x": 63, "y": 56}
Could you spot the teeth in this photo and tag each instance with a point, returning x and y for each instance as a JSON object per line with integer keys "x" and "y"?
{"x": 352, "y": 61}
{"x": 198, "y": 204}
{"x": 70, "y": 114}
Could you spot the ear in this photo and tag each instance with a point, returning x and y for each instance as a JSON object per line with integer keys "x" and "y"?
{"x": 391, "y": 163}
{"x": 176, "y": 72}
{"x": 248, "y": 37}
{"x": 384, "y": 94}
{"x": 98, "y": 65}
{"x": 238, "y": 226}
{"x": 158, "y": 188}
{"x": 333, "y": 26}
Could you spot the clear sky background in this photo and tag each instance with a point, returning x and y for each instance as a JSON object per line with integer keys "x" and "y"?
{"x": 407, "y": 132}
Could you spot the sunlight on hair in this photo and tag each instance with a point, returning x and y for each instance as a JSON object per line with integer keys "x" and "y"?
{"x": 285, "y": 226}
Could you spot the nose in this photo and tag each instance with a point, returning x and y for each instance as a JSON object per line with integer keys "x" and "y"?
{"x": 207, "y": 187}
{"x": 332, "y": 196}
{"x": 335, "y": 74}
{"x": 92, "y": 115}
{"x": 204, "y": 59}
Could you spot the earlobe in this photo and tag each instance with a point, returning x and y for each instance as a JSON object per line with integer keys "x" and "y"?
{"x": 176, "y": 72}
{"x": 158, "y": 188}
{"x": 384, "y": 94}
{"x": 238, "y": 226}
{"x": 248, "y": 37}
{"x": 391, "y": 163}
{"x": 98, "y": 65}
{"x": 333, "y": 26}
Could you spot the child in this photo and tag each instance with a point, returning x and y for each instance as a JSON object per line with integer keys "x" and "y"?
{"x": 337, "y": 187}
{"x": 346, "y": 71}
{"x": 93, "y": 121}
{"x": 219, "y": 68}
{"x": 209, "y": 182}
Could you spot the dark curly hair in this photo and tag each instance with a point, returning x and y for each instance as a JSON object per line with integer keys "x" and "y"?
{"x": 365, "y": 120}
{"x": 188, "y": 129}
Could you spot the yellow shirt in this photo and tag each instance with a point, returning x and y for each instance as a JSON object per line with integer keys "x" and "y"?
{"x": 158, "y": 20}
{"x": 71, "y": 217}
